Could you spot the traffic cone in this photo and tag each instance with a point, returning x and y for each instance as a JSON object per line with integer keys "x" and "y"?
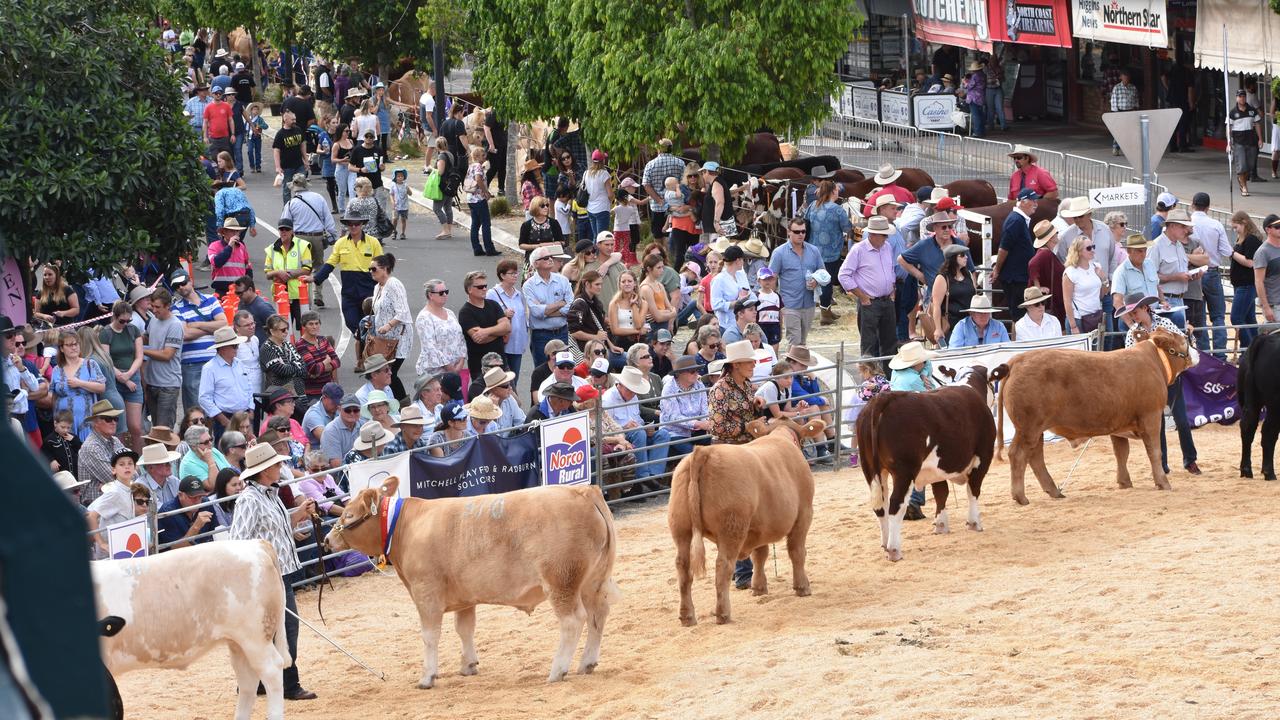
{"x": 304, "y": 296}
{"x": 230, "y": 304}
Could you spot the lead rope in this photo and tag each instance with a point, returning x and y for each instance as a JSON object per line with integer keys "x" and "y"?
{"x": 1079, "y": 457}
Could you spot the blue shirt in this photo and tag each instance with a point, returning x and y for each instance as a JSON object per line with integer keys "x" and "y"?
{"x": 909, "y": 380}
{"x": 681, "y": 411}
{"x": 224, "y": 387}
{"x": 724, "y": 293}
{"x": 200, "y": 350}
{"x": 196, "y": 106}
{"x": 966, "y": 334}
{"x": 828, "y": 226}
{"x": 316, "y": 417}
{"x": 793, "y": 271}
{"x": 99, "y": 290}
{"x": 539, "y": 293}
{"x": 512, "y": 414}
{"x": 337, "y": 439}
{"x": 518, "y": 340}
{"x": 1156, "y": 228}
{"x": 1016, "y": 242}
{"x": 927, "y": 257}
{"x": 220, "y": 81}
{"x": 174, "y": 527}
{"x": 229, "y": 201}
{"x": 1128, "y": 279}
{"x": 622, "y": 411}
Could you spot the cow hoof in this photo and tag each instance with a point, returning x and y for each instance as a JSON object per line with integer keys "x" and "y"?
{"x": 722, "y": 619}
{"x": 1246, "y": 472}
{"x": 587, "y": 669}
{"x": 976, "y": 527}
{"x": 689, "y": 621}
{"x": 1268, "y": 476}
{"x": 1021, "y": 499}
{"x": 759, "y": 591}
{"x": 941, "y": 530}
{"x": 893, "y": 555}
{"x": 470, "y": 669}
{"x": 803, "y": 592}
{"x": 558, "y": 676}
{"x": 1164, "y": 486}
{"x": 427, "y": 683}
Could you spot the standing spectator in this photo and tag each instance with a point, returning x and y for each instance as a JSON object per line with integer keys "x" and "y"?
{"x": 1170, "y": 258}
{"x": 440, "y": 338}
{"x": 995, "y": 91}
{"x": 979, "y": 328}
{"x": 729, "y": 286}
{"x": 340, "y": 147}
{"x": 548, "y": 295}
{"x": 654, "y": 179}
{"x": 1246, "y": 137}
{"x": 367, "y": 159}
{"x": 1137, "y": 274}
{"x": 483, "y": 322}
{"x": 586, "y": 314}
{"x": 249, "y": 353}
{"x": 539, "y": 229}
{"x": 163, "y": 360}
{"x": 124, "y": 344}
{"x": 76, "y": 382}
{"x": 1124, "y": 97}
{"x": 242, "y": 83}
{"x": 201, "y": 316}
{"x": 1037, "y": 324}
{"x": 282, "y": 366}
{"x": 254, "y": 304}
{"x": 62, "y": 446}
{"x": 1029, "y": 176}
{"x": 57, "y": 302}
{"x": 224, "y": 384}
{"x": 98, "y": 450}
{"x": 309, "y": 216}
{"x": 794, "y": 264}
{"x": 1016, "y": 250}
{"x": 478, "y": 195}
{"x": 1244, "y": 292}
{"x": 496, "y": 139}
{"x": 1266, "y": 268}
{"x": 828, "y": 227}
{"x": 953, "y": 289}
{"x": 608, "y": 263}
{"x": 427, "y": 116}
{"x": 1213, "y": 237}
{"x": 218, "y": 125}
{"x": 445, "y": 162}
{"x": 974, "y": 91}
{"x": 1164, "y": 203}
{"x": 184, "y": 528}
{"x": 454, "y": 131}
{"x": 303, "y": 106}
{"x": 1045, "y": 269}
{"x": 261, "y": 515}
{"x": 626, "y": 313}
{"x": 318, "y": 356}
{"x": 194, "y": 109}
{"x": 228, "y": 254}
{"x": 288, "y": 260}
{"x": 340, "y": 434}
{"x": 1083, "y": 285}
{"x": 1108, "y": 249}
{"x": 391, "y": 317}
{"x": 289, "y": 149}
{"x": 599, "y": 186}
{"x": 19, "y": 377}
{"x": 626, "y": 220}
{"x": 383, "y": 111}
{"x": 351, "y": 256}
{"x": 508, "y": 295}
{"x": 867, "y": 275}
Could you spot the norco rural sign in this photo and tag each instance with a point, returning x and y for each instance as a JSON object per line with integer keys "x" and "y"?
{"x": 1133, "y": 22}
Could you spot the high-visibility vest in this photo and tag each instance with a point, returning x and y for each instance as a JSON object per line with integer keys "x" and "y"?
{"x": 297, "y": 258}
{"x": 236, "y": 266}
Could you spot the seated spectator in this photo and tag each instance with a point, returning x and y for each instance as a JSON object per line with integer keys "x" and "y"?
{"x": 157, "y": 472}
{"x": 912, "y": 369}
{"x": 543, "y": 371}
{"x": 233, "y": 445}
{"x": 320, "y": 487}
{"x": 370, "y": 443}
{"x": 321, "y": 412}
{"x": 684, "y": 407}
{"x": 412, "y": 432}
{"x": 557, "y": 400}
{"x": 68, "y": 484}
{"x": 77, "y": 383}
{"x": 450, "y": 432}
{"x": 804, "y": 386}
{"x": 242, "y": 422}
{"x": 563, "y": 372}
{"x": 377, "y": 406}
{"x": 490, "y": 361}
{"x": 766, "y": 357}
{"x": 277, "y": 435}
{"x": 710, "y": 346}
{"x": 282, "y": 366}
{"x": 640, "y": 357}
{"x": 775, "y": 393}
{"x": 193, "y": 416}
{"x": 598, "y": 375}
{"x": 1037, "y": 324}
{"x": 203, "y": 460}
{"x": 497, "y": 385}
{"x": 225, "y": 488}
{"x": 482, "y": 415}
{"x": 663, "y": 357}
{"x": 592, "y": 350}
{"x": 340, "y": 434}
{"x": 378, "y": 372}
{"x": 281, "y": 403}
{"x": 98, "y": 450}
{"x": 648, "y": 442}
{"x": 614, "y": 439}
{"x": 427, "y": 398}
{"x": 62, "y": 446}
{"x": 978, "y": 328}
{"x": 182, "y": 528}
{"x": 224, "y": 384}
{"x": 116, "y": 503}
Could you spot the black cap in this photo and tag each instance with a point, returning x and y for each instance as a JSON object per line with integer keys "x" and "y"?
{"x": 564, "y": 391}
{"x": 732, "y": 253}
{"x": 6, "y": 325}
{"x": 178, "y": 277}
{"x": 192, "y": 485}
{"x": 1270, "y": 220}
{"x": 285, "y": 223}
{"x": 583, "y": 246}
{"x": 745, "y": 303}
{"x": 1241, "y": 93}
{"x": 123, "y": 453}
{"x": 1200, "y": 199}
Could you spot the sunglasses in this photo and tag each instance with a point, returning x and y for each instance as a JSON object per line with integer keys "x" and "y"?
{"x": 19, "y": 341}
{"x": 644, "y": 357}
{"x": 795, "y": 232}
{"x": 1122, "y": 224}
{"x": 350, "y": 411}
{"x": 480, "y": 286}
{"x": 598, "y": 352}
{"x": 714, "y": 346}
{"x": 373, "y": 268}
{"x": 1089, "y": 247}
{"x": 139, "y": 501}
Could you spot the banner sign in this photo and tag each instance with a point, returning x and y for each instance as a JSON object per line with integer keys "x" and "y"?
{"x": 1209, "y": 390}
{"x": 486, "y": 464}
{"x": 895, "y": 108}
{"x": 866, "y": 102}
{"x": 128, "y": 539}
{"x": 954, "y": 22}
{"x": 1132, "y": 22}
{"x": 566, "y": 450}
{"x": 13, "y": 299}
{"x": 1031, "y": 22}
{"x": 933, "y": 112}
{"x": 372, "y": 473}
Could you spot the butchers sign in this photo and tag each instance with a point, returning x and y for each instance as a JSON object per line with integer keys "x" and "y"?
{"x": 954, "y": 22}
{"x": 1133, "y": 22}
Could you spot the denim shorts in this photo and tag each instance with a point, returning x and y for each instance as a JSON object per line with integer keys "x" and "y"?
{"x": 136, "y": 395}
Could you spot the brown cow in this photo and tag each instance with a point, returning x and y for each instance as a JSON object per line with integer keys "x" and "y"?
{"x": 926, "y": 438}
{"x": 972, "y": 193}
{"x": 1080, "y": 394}
{"x": 912, "y": 179}
{"x": 742, "y": 497}
{"x": 517, "y": 549}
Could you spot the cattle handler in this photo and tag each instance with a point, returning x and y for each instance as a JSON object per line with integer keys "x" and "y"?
{"x": 731, "y": 405}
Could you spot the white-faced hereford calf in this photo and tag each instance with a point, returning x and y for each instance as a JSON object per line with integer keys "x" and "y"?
{"x": 742, "y": 497}
{"x": 920, "y": 439}
{"x": 518, "y": 548}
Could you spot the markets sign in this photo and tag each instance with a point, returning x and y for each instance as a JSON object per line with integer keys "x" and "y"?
{"x": 954, "y": 22}
{"x": 1133, "y": 22}
{"x": 1031, "y": 22}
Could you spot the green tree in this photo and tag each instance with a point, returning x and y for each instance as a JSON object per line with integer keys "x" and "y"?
{"x": 379, "y": 33}
{"x": 632, "y": 72}
{"x": 100, "y": 162}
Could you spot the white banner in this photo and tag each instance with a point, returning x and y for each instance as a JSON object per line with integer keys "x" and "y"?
{"x": 372, "y": 473}
{"x": 895, "y": 108}
{"x": 933, "y": 112}
{"x": 866, "y": 102}
{"x": 128, "y": 539}
{"x": 1132, "y": 22}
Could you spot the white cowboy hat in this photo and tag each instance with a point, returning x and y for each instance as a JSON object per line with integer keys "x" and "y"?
{"x": 634, "y": 380}
{"x": 1075, "y": 207}
{"x": 740, "y": 351}
{"x": 157, "y": 454}
{"x": 67, "y": 481}
{"x": 721, "y": 244}
{"x": 482, "y": 407}
{"x": 232, "y": 223}
{"x": 887, "y": 174}
{"x": 226, "y": 336}
{"x": 980, "y": 304}
{"x": 910, "y": 355}
{"x": 938, "y": 193}
{"x": 411, "y": 415}
{"x": 1023, "y": 150}
{"x": 372, "y": 434}
{"x": 496, "y": 376}
{"x": 1034, "y": 295}
{"x": 259, "y": 458}
{"x": 884, "y": 199}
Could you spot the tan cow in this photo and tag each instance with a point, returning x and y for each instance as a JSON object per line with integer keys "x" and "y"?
{"x": 179, "y": 605}
{"x": 516, "y": 549}
{"x": 1079, "y": 394}
{"x": 742, "y": 497}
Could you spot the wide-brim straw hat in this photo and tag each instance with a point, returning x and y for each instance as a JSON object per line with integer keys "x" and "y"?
{"x": 157, "y": 454}
{"x": 740, "y": 351}
{"x": 1133, "y": 302}
{"x": 1044, "y": 232}
{"x": 371, "y": 435}
{"x": 226, "y": 337}
{"x": 1075, "y": 207}
{"x": 483, "y": 408}
{"x": 259, "y": 458}
{"x": 103, "y": 409}
{"x": 497, "y": 377}
{"x": 910, "y": 355}
{"x": 1022, "y": 150}
{"x": 1034, "y": 295}
{"x": 887, "y": 174}
{"x": 980, "y": 304}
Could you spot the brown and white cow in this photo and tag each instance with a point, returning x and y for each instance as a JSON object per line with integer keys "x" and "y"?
{"x": 742, "y": 497}
{"x": 178, "y": 605}
{"x": 517, "y": 549}
{"x": 1080, "y": 394}
{"x": 928, "y": 438}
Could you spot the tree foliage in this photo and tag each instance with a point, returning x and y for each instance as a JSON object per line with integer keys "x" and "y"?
{"x": 718, "y": 69}
{"x": 100, "y": 162}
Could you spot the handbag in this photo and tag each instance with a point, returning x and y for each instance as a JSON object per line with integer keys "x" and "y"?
{"x": 384, "y": 346}
{"x": 1090, "y": 322}
{"x": 431, "y": 190}
{"x": 727, "y": 226}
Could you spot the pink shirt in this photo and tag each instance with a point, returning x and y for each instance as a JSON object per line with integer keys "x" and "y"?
{"x": 1037, "y": 178}
{"x": 295, "y": 430}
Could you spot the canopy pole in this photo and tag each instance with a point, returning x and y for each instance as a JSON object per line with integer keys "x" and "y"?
{"x": 1226, "y": 91}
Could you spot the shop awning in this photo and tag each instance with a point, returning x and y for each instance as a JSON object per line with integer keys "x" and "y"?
{"x": 888, "y": 8}
{"x": 954, "y": 22}
{"x": 1253, "y": 31}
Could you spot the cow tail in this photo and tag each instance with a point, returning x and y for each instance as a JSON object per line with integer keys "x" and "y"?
{"x": 1000, "y": 373}
{"x": 281, "y": 641}
{"x": 1245, "y": 392}
{"x": 693, "y": 490}
{"x": 607, "y": 586}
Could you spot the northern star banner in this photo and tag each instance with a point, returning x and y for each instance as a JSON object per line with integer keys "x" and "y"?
{"x": 1132, "y": 22}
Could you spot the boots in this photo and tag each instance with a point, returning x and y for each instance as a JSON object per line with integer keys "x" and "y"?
{"x": 318, "y": 291}
{"x": 829, "y": 315}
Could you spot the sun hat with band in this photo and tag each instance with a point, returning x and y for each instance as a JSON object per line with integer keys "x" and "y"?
{"x": 1044, "y": 232}
{"x": 1133, "y": 301}
{"x": 910, "y": 355}
{"x": 259, "y": 458}
{"x": 496, "y": 377}
{"x": 164, "y": 435}
{"x": 1136, "y": 241}
{"x": 1075, "y": 207}
{"x": 1034, "y": 295}
{"x": 374, "y": 363}
{"x": 103, "y": 409}
{"x": 801, "y": 354}
{"x": 226, "y": 337}
{"x": 483, "y": 408}
{"x": 980, "y": 304}
{"x": 372, "y": 434}
{"x": 157, "y": 454}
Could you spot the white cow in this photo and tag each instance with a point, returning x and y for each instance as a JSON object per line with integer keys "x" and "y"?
{"x": 179, "y": 605}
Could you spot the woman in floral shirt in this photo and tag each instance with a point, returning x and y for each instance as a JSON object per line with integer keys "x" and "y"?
{"x": 439, "y": 335}
{"x": 391, "y": 316}
{"x": 731, "y": 400}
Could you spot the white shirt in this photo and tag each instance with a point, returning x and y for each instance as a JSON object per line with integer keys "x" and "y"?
{"x": 247, "y": 354}
{"x": 618, "y": 409}
{"x": 1170, "y": 258}
{"x": 1213, "y": 237}
{"x": 563, "y": 209}
{"x": 1086, "y": 299}
{"x": 764, "y": 368}
{"x": 1048, "y": 327}
{"x": 576, "y": 381}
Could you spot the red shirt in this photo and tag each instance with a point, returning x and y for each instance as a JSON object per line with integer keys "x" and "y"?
{"x": 900, "y": 194}
{"x": 217, "y": 119}
{"x": 1045, "y": 270}
{"x": 1036, "y": 178}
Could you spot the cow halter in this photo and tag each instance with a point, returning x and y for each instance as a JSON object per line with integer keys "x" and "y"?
{"x": 1164, "y": 355}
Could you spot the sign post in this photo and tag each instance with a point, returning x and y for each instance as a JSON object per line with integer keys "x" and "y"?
{"x": 1144, "y": 122}
{"x": 1143, "y": 136}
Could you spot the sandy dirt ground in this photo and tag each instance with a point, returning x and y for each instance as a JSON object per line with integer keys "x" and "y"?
{"x": 1109, "y": 603}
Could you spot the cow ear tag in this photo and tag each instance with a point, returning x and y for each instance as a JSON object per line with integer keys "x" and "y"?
{"x": 373, "y": 508}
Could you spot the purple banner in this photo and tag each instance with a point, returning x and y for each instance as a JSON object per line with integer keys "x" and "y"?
{"x": 1209, "y": 389}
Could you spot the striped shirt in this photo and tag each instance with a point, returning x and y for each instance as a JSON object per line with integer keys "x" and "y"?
{"x": 679, "y": 412}
{"x": 260, "y": 514}
{"x": 205, "y": 309}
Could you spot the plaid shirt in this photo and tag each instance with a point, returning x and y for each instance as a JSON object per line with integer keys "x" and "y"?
{"x": 1124, "y": 97}
{"x": 731, "y": 409}
{"x": 656, "y": 172}
{"x": 313, "y": 354}
{"x": 95, "y": 465}
{"x": 397, "y": 445}
{"x": 260, "y": 514}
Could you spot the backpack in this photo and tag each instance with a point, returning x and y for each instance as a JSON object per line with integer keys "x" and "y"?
{"x": 320, "y": 90}
{"x": 452, "y": 177}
